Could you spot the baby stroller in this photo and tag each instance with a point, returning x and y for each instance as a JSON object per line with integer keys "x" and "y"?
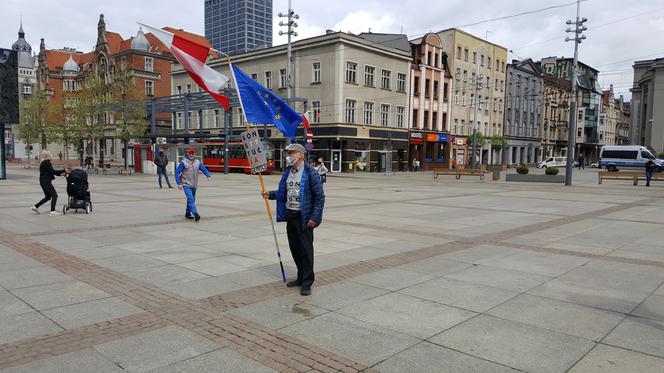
{"x": 78, "y": 191}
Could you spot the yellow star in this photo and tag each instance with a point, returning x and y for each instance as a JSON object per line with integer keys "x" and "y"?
{"x": 265, "y": 102}
{"x": 267, "y": 95}
{"x": 275, "y": 100}
{"x": 277, "y": 117}
{"x": 278, "y": 108}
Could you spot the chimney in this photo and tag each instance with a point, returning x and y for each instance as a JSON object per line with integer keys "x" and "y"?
{"x": 328, "y": 32}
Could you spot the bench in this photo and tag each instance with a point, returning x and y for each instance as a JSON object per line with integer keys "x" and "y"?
{"x": 458, "y": 172}
{"x": 656, "y": 176}
{"x": 621, "y": 175}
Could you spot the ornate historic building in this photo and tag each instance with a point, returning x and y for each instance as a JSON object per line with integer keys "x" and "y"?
{"x": 61, "y": 72}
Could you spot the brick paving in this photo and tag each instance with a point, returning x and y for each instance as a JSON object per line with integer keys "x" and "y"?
{"x": 208, "y": 318}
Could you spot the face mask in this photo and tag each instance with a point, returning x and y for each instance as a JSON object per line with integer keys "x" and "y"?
{"x": 290, "y": 160}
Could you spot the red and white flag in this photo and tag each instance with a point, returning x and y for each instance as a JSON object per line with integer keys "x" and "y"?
{"x": 192, "y": 56}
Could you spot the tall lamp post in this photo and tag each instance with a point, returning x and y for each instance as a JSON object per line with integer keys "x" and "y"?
{"x": 578, "y": 37}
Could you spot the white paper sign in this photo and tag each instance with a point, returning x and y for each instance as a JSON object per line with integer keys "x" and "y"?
{"x": 253, "y": 146}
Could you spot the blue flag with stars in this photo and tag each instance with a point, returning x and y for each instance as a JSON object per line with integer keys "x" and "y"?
{"x": 261, "y": 106}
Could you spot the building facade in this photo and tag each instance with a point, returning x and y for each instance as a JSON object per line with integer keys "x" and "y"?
{"x": 355, "y": 89}
{"x": 523, "y": 113}
{"x": 609, "y": 116}
{"x": 624, "y": 122}
{"x": 647, "y": 106}
{"x": 61, "y": 73}
{"x": 588, "y": 100}
{"x": 27, "y": 81}
{"x": 557, "y": 92}
{"x": 238, "y": 26}
{"x": 429, "y": 110}
{"x": 478, "y": 69}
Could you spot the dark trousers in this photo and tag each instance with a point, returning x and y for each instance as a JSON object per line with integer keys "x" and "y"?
{"x": 49, "y": 194}
{"x": 301, "y": 242}
{"x": 648, "y": 177}
{"x": 162, "y": 171}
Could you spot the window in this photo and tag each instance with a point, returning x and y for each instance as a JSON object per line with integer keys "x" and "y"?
{"x": 457, "y": 75}
{"x": 601, "y": 137}
{"x": 369, "y": 73}
{"x": 426, "y": 120}
{"x": 488, "y": 62}
{"x": 429, "y": 59}
{"x": 179, "y": 90}
{"x": 268, "y": 79}
{"x": 385, "y": 79}
{"x": 351, "y": 72}
{"x": 580, "y": 115}
{"x": 482, "y": 60}
{"x": 578, "y": 132}
{"x": 415, "y": 118}
{"x": 465, "y": 75}
{"x": 458, "y": 56}
{"x": 27, "y": 89}
{"x": 435, "y": 89}
{"x": 149, "y": 64}
{"x": 282, "y": 78}
{"x": 254, "y": 76}
{"x": 400, "y": 114}
{"x": 465, "y": 55}
{"x": 315, "y": 105}
{"x": 502, "y": 66}
{"x": 416, "y": 84}
{"x": 216, "y": 118}
{"x": 188, "y": 88}
{"x": 384, "y": 114}
{"x": 620, "y": 154}
{"x": 434, "y": 120}
{"x": 148, "y": 88}
{"x": 488, "y": 82}
{"x": 178, "y": 121}
{"x": 497, "y": 65}
{"x": 475, "y": 57}
{"x": 472, "y": 100}
{"x": 401, "y": 82}
{"x": 427, "y": 85}
{"x": 368, "y": 112}
{"x": 350, "y": 111}
{"x": 316, "y": 72}
{"x": 501, "y": 85}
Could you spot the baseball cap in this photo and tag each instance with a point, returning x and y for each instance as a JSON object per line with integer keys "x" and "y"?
{"x": 296, "y": 147}
{"x": 191, "y": 150}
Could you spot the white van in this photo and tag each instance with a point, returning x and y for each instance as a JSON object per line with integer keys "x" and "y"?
{"x": 553, "y": 162}
{"x": 618, "y": 157}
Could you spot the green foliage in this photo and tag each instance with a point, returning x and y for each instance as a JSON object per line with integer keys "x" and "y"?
{"x": 498, "y": 142}
{"x": 37, "y": 117}
{"x": 481, "y": 139}
{"x": 522, "y": 169}
{"x": 551, "y": 171}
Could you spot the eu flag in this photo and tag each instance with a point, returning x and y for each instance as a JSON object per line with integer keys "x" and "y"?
{"x": 261, "y": 106}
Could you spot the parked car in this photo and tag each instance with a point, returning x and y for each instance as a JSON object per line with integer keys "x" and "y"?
{"x": 553, "y": 161}
{"x": 594, "y": 165}
{"x": 627, "y": 157}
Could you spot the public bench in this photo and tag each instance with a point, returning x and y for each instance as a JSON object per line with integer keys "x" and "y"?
{"x": 621, "y": 175}
{"x": 458, "y": 172}
{"x": 108, "y": 167}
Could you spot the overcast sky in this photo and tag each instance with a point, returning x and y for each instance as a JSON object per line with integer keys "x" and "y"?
{"x": 635, "y": 31}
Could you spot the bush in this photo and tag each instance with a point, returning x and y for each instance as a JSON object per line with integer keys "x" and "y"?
{"x": 552, "y": 171}
{"x": 522, "y": 169}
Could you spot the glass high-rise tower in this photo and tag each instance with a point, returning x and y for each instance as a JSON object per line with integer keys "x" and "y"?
{"x": 238, "y": 26}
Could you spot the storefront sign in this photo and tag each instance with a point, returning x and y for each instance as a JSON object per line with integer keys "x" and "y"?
{"x": 442, "y": 138}
{"x": 431, "y": 137}
{"x": 415, "y": 135}
{"x": 416, "y": 140}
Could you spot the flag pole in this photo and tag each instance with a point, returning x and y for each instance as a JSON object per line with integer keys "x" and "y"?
{"x": 260, "y": 175}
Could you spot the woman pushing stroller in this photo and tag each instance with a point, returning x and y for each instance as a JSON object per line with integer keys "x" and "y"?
{"x": 46, "y": 176}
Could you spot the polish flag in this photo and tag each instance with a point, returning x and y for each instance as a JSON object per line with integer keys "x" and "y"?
{"x": 192, "y": 56}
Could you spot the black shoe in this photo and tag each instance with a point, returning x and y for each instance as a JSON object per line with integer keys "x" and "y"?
{"x": 292, "y": 284}
{"x": 197, "y": 217}
{"x": 188, "y": 216}
{"x": 305, "y": 292}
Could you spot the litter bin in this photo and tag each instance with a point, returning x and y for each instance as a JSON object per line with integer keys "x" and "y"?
{"x": 496, "y": 175}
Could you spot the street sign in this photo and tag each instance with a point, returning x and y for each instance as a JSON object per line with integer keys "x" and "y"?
{"x": 310, "y": 135}
{"x": 309, "y": 146}
{"x": 253, "y": 146}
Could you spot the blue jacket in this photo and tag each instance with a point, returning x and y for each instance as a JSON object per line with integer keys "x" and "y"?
{"x": 312, "y": 196}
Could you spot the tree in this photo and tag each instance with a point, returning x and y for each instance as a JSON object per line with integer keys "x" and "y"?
{"x": 128, "y": 106}
{"x": 481, "y": 140}
{"x": 36, "y": 118}
{"x": 498, "y": 142}
{"x": 88, "y": 114}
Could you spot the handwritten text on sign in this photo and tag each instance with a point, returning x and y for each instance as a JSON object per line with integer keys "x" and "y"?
{"x": 253, "y": 146}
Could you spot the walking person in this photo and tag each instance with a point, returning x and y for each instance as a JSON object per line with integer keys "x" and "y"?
{"x": 582, "y": 160}
{"x": 650, "y": 170}
{"x": 300, "y": 201}
{"x": 60, "y": 156}
{"x": 88, "y": 163}
{"x": 322, "y": 170}
{"x": 186, "y": 176}
{"x": 46, "y": 176}
{"x": 161, "y": 162}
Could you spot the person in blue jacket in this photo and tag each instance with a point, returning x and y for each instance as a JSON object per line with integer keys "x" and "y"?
{"x": 300, "y": 201}
{"x": 186, "y": 176}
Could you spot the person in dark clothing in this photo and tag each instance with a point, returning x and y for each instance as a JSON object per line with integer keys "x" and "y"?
{"x": 46, "y": 176}
{"x": 161, "y": 162}
{"x": 582, "y": 161}
{"x": 88, "y": 163}
{"x": 650, "y": 169}
{"x": 300, "y": 201}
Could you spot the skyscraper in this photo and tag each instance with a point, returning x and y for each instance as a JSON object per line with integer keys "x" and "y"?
{"x": 238, "y": 26}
